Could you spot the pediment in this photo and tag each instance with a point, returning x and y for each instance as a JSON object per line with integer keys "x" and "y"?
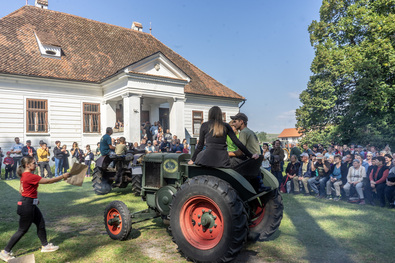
{"x": 158, "y": 65}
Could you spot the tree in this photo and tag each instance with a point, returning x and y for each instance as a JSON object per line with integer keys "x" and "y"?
{"x": 352, "y": 87}
{"x": 262, "y": 136}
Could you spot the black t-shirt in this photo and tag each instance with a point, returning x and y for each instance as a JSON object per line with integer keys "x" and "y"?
{"x": 320, "y": 168}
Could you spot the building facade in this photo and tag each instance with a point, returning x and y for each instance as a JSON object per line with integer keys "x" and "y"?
{"x": 67, "y": 78}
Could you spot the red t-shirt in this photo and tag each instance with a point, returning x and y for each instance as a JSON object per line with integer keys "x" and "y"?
{"x": 29, "y": 184}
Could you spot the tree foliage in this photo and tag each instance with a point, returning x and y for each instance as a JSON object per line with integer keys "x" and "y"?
{"x": 262, "y": 136}
{"x": 352, "y": 87}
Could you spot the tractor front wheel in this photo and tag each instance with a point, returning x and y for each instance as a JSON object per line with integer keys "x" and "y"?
{"x": 136, "y": 184}
{"x": 117, "y": 220}
{"x": 208, "y": 221}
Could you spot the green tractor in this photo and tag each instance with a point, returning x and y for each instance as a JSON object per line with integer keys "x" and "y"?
{"x": 212, "y": 211}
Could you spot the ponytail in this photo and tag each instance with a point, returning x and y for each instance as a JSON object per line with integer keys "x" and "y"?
{"x": 25, "y": 161}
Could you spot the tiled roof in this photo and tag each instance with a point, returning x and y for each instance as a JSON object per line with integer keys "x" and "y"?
{"x": 91, "y": 51}
{"x": 42, "y": 2}
{"x": 291, "y": 132}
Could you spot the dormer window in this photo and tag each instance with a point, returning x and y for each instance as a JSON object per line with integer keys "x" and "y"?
{"x": 48, "y": 44}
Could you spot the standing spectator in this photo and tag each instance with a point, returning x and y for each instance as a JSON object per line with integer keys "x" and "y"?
{"x": 9, "y": 163}
{"x": 66, "y": 155}
{"x": 186, "y": 148}
{"x": 88, "y": 159}
{"x": 322, "y": 169}
{"x": 378, "y": 177}
{"x": 329, "y": 153}
{"x": 168, "y": 136}
{"x": 277, "y": 157}
{"x": 266, "y": 156}
{"x": 77, "y": 155}
{"x": 346, "y": 150}
{"x": 16, "y": 154}
{"x": 147, "y": 128}
{"x": 387, "y": 149}
{"x": 390, "y": 189}
{"x": 346, "y": 166}
{"x": 154, "y": 131}
{"x": 388, "y": 160}
{"x": 304, "y": 173}
{"x": 27, "y": 207}
{"x": 43, "y": 160}
{"x": 335, "y": 179}
{"x": 177, "y": 147}
{"x": 307, "y": 150}
{"x": 292, "y": 171}
{"x": 58, "y": 153}
{"x": 355, "y": 177}
{"x": 295, "y": 151}
{"x": 1, "y": 160}
{"x": 28, "y": 150}
{"x": 369, "y": 157}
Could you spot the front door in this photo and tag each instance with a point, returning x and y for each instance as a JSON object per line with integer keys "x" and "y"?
{"x": 144, "y": 116}
{"x": 164, "y": 118}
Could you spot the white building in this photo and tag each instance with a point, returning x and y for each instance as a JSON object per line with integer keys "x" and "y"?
{"x": 67, "y": 78}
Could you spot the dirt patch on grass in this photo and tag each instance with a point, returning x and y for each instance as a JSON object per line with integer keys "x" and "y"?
{"x": 159, "y": 250}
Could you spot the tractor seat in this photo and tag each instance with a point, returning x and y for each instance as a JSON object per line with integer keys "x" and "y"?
{"x": 250, "y": 168}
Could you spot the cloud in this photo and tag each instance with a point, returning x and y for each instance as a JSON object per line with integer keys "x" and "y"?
{"x": 293, "y": 95}
{"x": 288, "y": 115}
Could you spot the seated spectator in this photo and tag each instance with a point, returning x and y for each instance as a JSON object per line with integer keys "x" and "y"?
{"x": 165, "y": 146}
{"x": 347, "y": 163}
{"x": 363, "y": 162}
{"x": 335, "y": 179}
{"x": 390, "y": 189}
{"x": 143, "y": 143}
{"x": 156, "y": 146}
{"x": 186, "y": 148}
{"x": 136, "y": 145}
{"x": 292, "y": 171}
{"x": 322, "y": 169}
{"x": 177, "y": 147}
{"x": 168, "y": 135}
{"x": 355, "y": 177}
{"x": 330, "y": 152}
{"x": 149, "y": 148}
{"x": 377, "y": 178}
{"x": 121, "y": 147}
{"x": 304, "y": 174}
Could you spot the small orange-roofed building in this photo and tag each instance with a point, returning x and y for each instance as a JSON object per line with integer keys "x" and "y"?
{"x": 290, "y": 135}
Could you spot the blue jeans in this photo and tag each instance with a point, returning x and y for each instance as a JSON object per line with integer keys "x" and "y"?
{"x": 58, "y": 167}
{"x": 323, "y": 181}
{"x": 313, "y": 184}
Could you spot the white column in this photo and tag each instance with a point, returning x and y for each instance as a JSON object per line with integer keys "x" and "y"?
{"x": 108, "y": 120}
{"x": 154, "y": 113}
{"x": 131, "y": 117}
{"x": 176, "y": 117}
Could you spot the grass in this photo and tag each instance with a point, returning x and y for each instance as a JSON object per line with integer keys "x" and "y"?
{"x": 312, "y": 230}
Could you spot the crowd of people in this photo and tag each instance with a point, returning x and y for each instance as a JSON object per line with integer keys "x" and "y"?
{"x": 356, "y": 174}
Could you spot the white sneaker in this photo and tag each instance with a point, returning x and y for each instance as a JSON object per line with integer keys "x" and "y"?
{"x": 5, "y": 256}
{"x": 49, "y": 248}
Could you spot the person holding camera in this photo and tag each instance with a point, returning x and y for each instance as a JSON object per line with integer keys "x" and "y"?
{"x": 77, "y": 155}
{"x": 43, "y": 159}
{"x": 28, "y": 210}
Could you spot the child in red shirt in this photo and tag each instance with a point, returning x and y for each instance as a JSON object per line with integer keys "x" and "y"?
{"x": 9, "y": 162}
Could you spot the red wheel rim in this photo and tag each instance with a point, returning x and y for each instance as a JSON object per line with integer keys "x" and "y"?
{"x": 202, "y": 222}
{"x": 115, "y": 229}
{"x": 257, "y": 215}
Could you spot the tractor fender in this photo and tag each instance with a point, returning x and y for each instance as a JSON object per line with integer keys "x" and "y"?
{"x": 237, "y": 181}
{"x": 269, "y": 179}
{"x": 103, "y": 162}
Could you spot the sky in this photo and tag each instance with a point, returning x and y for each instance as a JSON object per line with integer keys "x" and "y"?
{"x": 258, "y": 48}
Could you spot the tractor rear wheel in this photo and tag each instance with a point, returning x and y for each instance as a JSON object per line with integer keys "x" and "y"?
{"x": 136, "y": 184}
{"x": 208, "y": 220}
{"x": 117, "y": 220}
{"x": 100, "y": 185}
{"x": 266, "y": 218}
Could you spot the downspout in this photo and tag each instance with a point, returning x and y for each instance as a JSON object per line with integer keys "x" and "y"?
{"x": 244, "y": 101}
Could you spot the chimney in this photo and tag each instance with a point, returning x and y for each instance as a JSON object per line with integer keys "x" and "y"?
{"x": 137, "y": 26}
{"x": 42, "y": 4}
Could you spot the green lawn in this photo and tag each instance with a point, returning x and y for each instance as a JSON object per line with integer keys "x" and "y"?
{"x": 312, "y": 230}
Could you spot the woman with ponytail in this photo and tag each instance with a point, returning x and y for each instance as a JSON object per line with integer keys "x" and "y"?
{"x": 213, "y": 135}
{"x": 27, "y": 207}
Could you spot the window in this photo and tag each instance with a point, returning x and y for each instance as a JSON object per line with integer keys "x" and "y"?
{"x": 37, "y": 115}
{"x": 197, "y": 120}
{"x": 91, "y": 117}
{"x": 224, "y": 117}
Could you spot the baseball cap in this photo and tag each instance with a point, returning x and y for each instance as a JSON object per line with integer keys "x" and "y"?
{"x": 240, "y": 116}
{"x": 320, "y": 156}
{"x": 8, "y": 152}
